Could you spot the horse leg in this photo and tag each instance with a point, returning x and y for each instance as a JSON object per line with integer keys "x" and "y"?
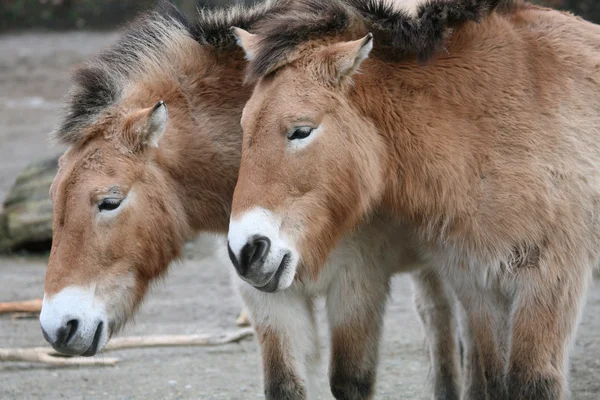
{"x": 355, "y": 307}
{"x": 287, "y": 335}
{"x": 436, "y": 307}
{"x": 484, "y": 323}
{"x": 485, "y": 353}
{"x": 545, "y": 314}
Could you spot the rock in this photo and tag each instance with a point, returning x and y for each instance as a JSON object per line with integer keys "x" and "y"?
{"x": 26, "y": 219}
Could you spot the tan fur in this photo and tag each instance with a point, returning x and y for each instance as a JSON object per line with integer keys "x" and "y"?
{"x": 170, "y": 203}
{"x": 348, "y": 346}
{"x": 185, "y": 186}
{"x": 280, "y": 378}
{"x": 491, "y": 153}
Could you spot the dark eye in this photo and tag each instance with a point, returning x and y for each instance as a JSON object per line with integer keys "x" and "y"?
{"x": 109, "y": 204}
{"x": 301, "y": 132}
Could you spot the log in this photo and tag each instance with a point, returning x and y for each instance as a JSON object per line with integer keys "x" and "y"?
{"x": 26, "y": 219}
{"x": 46, "y": 355}
{"x": 29, "y": 306}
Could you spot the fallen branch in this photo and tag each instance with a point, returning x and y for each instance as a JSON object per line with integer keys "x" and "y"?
{"x": 178, "y": 340}
{"x": 29, "y": 306}
{"x": 46, "y": 355}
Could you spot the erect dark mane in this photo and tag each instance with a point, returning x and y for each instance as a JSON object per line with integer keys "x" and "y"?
{"x": 213, "y": 26}
{"x": 421, "y": 34}
{"x": 100, "y": 82}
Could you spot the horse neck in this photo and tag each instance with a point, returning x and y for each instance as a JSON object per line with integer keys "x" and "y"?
{"x": 203, "y": 155}
{"x": 425, "y": 114}
{"x": 440, "y": 122}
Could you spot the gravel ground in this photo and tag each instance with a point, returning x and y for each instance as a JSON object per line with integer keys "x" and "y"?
{"x": 196, "y": 297}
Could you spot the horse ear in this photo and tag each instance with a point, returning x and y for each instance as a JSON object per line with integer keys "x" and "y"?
{"x": 344, "y": 58}
{"x": 155, "y": 124}
{"x": 247, "y": 41}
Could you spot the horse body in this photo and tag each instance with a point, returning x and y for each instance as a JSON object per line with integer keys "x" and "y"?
{"x": 154, "y": 150}
{"x": 490, "y": 153}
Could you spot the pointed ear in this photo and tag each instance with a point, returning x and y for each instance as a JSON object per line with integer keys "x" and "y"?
{"x": 143, "y": 128}
{"x": 343, "y": 59}
{"x": 246, "y": 40}
{"x": 155, "y": 125}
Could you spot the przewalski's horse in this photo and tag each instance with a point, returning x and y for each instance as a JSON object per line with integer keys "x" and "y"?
{"x": 141, "y": 175}
{"x": 490, "y": 152}
{"x": 124, "y": 198}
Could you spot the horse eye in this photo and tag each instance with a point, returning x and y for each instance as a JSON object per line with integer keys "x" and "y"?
{"x": 109, "y": 204}
{"x": 301, "y": 132}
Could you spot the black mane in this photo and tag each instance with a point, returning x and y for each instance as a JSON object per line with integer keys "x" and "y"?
{"x": 100, "y": 82}
{"x": 420, "y": 35}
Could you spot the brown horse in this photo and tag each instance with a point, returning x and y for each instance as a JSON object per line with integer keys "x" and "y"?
{"x": 490, "y": 152}
{"x": 154, "y": 150}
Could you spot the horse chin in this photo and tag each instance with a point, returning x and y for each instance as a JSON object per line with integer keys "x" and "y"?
{"x": 284, "y": 275}
{"x": 101, "y": 337}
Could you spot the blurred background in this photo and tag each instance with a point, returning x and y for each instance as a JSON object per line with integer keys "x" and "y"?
{"x": 83, "y": 14}
{"x": 40, "y": 41}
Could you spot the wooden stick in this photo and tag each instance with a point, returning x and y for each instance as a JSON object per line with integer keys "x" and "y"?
{"x": 178, "y": 340}
{"x": 46, "y": 355}
{"x": 32, "y": 306}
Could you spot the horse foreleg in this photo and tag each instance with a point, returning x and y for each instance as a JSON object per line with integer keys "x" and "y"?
{"x": 287, "y": 335}
{"x": 484, "y": 334}
{"x": 355, "y": 308}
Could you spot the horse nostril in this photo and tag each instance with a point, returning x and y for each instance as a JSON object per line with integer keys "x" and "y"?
{"x": 259, "y": 251}
{"x": 72, "y": 326}
{"x": 253, "y": 254}
{"x": 66, "y": 332}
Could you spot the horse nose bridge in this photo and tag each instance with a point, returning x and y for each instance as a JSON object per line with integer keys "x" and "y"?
{"x": 256, "y": 190}
{"x": 58, "y": 278}
{"x": 68, "y": 268}
{"x": 257, "y": 223}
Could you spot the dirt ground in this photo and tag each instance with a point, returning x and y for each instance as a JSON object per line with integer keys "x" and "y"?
{"x": 195, "y": 298}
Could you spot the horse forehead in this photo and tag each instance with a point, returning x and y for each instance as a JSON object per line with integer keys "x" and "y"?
{"x": 279, "y": 101}
{"x": 258, "y": 112}
{"x": 89, "y": 167}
